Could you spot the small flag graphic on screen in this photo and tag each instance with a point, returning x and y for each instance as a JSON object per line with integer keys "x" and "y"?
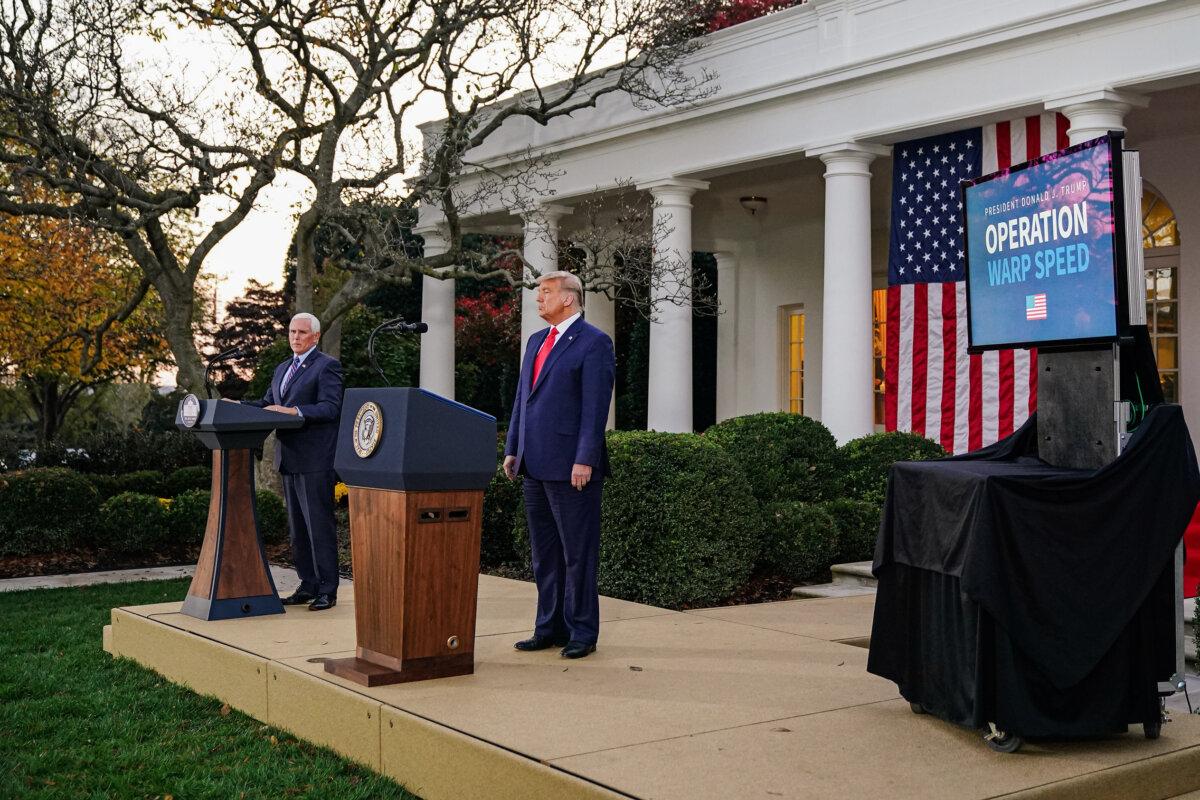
{"x": 1035, "y": 306}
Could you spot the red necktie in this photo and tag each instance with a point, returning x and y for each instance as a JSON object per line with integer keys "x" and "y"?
{"x": 543, "y": 351}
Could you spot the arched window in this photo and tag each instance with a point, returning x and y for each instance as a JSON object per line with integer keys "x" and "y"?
{"x": 1159, "y": 227}
{"x": 1160, "y": 240}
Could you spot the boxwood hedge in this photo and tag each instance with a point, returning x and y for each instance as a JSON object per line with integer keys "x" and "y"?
{"x": 785, "y": 457}
{"x": 678, "y": 523}
{"x": 867, "y": 460}
{"x": 45, "y": 510}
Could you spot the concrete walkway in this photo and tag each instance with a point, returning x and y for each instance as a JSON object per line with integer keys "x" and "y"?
{"x": 285, "y": 578}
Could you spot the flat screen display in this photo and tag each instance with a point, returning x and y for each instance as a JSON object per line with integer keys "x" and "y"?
{"x": 1042, "y": 249}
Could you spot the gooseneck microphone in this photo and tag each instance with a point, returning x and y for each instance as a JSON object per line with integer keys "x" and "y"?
{"x": 224, "y": 355}
{"x": 397, "y": 325}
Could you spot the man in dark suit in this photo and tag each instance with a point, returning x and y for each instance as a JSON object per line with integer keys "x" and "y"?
{"x": 556, "y": 441}
{"x": 309, "y": 384}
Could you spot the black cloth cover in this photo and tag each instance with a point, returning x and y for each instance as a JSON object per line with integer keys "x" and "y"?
{"x": 1071, "y": 567}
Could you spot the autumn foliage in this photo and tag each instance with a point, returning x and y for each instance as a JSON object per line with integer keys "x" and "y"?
{"x": 62, "y": 288}
{"x": 733, "y": 12}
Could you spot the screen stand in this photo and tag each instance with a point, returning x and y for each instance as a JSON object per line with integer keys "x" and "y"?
{"x": 1078, "y": 399}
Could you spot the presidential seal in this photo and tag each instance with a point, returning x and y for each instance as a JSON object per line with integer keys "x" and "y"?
{"x": 368, "y": 429}
{"x": 189, "y": 410}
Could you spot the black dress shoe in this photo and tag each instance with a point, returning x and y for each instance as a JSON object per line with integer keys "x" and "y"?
{"x": 298, "y": 598}
{"x": 577, "y": 650}
{"x": 323, "y": 602}
{"x": 536, "y": 642}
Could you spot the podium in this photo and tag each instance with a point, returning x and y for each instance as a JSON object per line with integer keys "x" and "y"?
{"x": 416, "y": 465}
{"x": 232, "y": 578}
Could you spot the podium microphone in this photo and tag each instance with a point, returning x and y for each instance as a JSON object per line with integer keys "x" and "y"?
{"x": 409, "y": 327}
{"x": 397, "y": 325}
{"x": 236, "y": 350}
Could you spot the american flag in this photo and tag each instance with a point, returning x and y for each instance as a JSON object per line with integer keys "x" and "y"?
{"x": 1035, "y": 306}
{"x": 932, "y": 386}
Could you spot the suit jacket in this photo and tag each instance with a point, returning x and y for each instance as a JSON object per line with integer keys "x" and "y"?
{"x": 560, "y": 422}
{"x": 316, "y": 390}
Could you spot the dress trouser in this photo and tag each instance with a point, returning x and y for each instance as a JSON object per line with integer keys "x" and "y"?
{"x": 312, "y": 529}
{"x": 564, "y": 535}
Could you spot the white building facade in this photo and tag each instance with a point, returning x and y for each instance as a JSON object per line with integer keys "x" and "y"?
{"x": 810, "y": 101}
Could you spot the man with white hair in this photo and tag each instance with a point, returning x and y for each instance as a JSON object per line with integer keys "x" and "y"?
{"x": 556, "y": 441}
{"x": 308, "y": 384}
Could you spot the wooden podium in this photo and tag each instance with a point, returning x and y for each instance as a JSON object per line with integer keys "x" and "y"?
{"x": 232, "y": 578}
{"x": 416, "y": 465}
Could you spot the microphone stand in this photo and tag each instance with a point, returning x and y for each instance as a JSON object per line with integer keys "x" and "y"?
{"x": 212, "y": 362}
{"x": 397, "y": 325}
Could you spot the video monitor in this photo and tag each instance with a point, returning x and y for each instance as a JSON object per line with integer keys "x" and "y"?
{"x": 1045, "y": 251}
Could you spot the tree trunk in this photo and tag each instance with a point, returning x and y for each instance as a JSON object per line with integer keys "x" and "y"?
{"x": 306, "y": 259}
{"x": 179, "y": 305}
{"x": 331, "y": 338}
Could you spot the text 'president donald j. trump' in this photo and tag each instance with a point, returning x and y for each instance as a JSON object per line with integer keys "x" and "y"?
{"x": 556, "y": 441}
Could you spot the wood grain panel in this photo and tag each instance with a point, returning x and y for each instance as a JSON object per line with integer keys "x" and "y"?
{"x": 377, "y": 532}
{"x": 243, "y": 573}
{"x": 442, "y": 576}
{"x": 415, "y": 583}
{"x": 202, "y": 579}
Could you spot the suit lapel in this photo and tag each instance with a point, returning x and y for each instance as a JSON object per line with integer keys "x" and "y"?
{"x": 568, "y": 338}
{"x": 300, "y": 373}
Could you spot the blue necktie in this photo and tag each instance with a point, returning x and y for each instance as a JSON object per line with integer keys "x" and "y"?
{"x": 290, "y": 373}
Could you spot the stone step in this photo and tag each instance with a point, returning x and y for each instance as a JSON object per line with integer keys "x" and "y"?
{"x": 831, "y": 590}
{"x": 857, "y": 573}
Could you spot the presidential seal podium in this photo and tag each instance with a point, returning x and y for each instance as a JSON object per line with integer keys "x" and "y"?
{"x": 416, "y": 465}
{"x": 232, "y": 578}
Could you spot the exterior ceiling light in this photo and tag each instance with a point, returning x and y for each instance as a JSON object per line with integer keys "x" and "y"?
{"x": 753, "y": 204}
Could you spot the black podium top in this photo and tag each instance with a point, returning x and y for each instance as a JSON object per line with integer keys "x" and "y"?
{"x": 1060, "y": 558}
{"x": 409, "y": 439}
{"x": 221, "y": 425}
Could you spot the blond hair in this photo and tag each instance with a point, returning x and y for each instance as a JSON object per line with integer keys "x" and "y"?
{"x": 569, "y": 282}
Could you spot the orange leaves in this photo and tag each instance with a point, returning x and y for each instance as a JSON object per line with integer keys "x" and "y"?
{"x": 59, "y": 281}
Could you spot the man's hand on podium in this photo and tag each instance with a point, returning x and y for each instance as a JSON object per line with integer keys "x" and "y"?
{"x": 283, "y": 410}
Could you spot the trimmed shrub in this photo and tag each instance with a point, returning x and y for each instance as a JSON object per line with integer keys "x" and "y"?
{"x": 186, "y": 479}
{"x": 857, "y": 523}
{"x": 272, "y": 517}
{"x": 134, "y": 524}
{"x": 146, "y": 481}
{"x": 802, "y": 540}
{"x": 867, "y": 460}
{"x": 117, "y": 452}
{"x": 678, "y": 521}
{"x": 189, "y": 517}
{"x": 785, "y": 457}
{"x": 503, "y": 503}
{"x": 45, "y": 510}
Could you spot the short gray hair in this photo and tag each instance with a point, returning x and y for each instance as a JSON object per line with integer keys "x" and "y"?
{"x": 570, "y": 283}
{"x": 313, "y": 322}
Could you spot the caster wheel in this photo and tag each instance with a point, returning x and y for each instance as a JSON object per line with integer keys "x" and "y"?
{"x": 1002, "y": 741}
{"x": 1152, "y": 729}
{"x": 917, "y": 708}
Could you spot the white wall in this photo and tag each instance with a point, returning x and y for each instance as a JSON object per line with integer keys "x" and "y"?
{"x": 1168, "y": 136}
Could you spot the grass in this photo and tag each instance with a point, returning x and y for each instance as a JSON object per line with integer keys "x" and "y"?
{"x": 75, "y": 722}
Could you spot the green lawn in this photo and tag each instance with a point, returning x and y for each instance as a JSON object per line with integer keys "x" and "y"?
{"x": 75, "y": 722}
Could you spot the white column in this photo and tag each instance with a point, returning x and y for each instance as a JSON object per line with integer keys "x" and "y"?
{"x": 437, "y": 311}
{"x": 847, "y": 402}
{"x": 1093, "y": 114}
{"x": 670, "y": 391}
{"x": 541, "y": 256}
{"x": 727, "y": 277}
{"x": 601, "y": 311}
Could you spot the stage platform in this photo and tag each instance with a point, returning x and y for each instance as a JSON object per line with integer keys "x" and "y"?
{"x": 762, "y": 701}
